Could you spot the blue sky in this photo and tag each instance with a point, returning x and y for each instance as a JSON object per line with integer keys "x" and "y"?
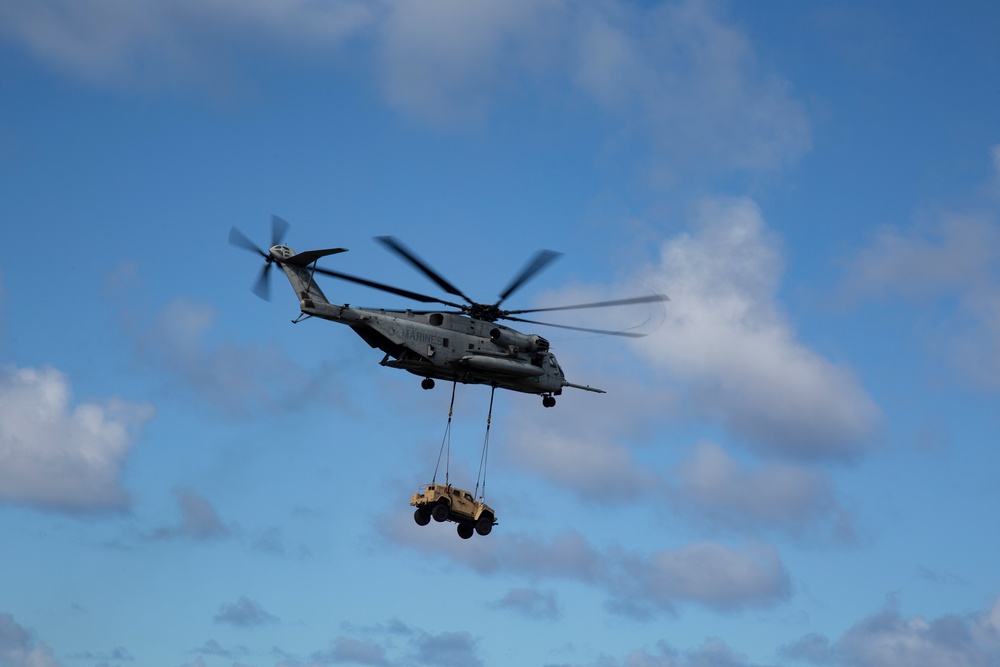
{"x": 796, "y": 467}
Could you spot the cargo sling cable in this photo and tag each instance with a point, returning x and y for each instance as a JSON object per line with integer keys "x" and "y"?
{"x": 445, "y": 450}
{"x": 446, "y": 443}
{"x": 485, "y": 453}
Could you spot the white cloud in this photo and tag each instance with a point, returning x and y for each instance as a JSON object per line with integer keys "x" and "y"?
{"x": 568, "y": 555}
{"x": 20, "y": 648}
{"x": 975, "y": 348}
{"x": 354, "y": 651}
{"x": 726, "y": 341}
{"x": 157, "y": 44}
{"x": 995, "y": 155}
{"x": 583, "y": 442}
{"x": 709, "y": 574}
{"x": 398, "y": 644}
{"x": 212, "y": 647}
{"x": 676, "y": 76}
{"x": 956, "y": 253}
{"x": 574, "y": 456}
{"x": 244, "y": 613}
{"x": 713, "y": 652}
{"x": 444, "y": 60}
{"x": 711, "y": 483}
{"x": 955, "y": 262}
{"x": 240, "y": 379}
{"x": 887, "y": 639}
{"x": 531, "y": 603}
{"x": 693, "y": 82}
{"x": 59, "y": 456}
{"x": 199, "y": 520}
{"x": 117, "y": 654}
{"x": 447, "y": 649}
{"x": 3, "y": 318}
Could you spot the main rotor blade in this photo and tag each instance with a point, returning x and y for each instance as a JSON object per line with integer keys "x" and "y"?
{"x": 238, "y": 238}
{"x": 541, "y": 259}
{"x": 279, "y": 228}
{"x": 652, "y": 298}
{"x": 423, "y": 298}
{"x": 626, "y": 334}
{"x": 401, "y": 250}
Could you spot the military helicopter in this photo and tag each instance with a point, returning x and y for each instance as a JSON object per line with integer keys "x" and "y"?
{"x": 464, "y": 345}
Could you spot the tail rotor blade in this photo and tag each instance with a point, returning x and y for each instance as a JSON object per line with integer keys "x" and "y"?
{"x": 279, "y": 227}
{"x": 238, "y": 238}
{"x": 262, "y": 286}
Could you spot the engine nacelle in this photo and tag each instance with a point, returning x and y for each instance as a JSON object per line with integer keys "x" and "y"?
{"x": 509, "y": 337}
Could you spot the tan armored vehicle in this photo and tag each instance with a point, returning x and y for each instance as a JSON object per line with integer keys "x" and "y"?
{"x": 444, "y": 502}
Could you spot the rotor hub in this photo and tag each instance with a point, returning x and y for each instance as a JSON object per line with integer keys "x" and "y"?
{"x": 485, "y": 311}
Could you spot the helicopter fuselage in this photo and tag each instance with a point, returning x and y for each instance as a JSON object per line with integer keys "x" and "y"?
{"x": 436, "y": 345}
{"x": 451, "y": 347}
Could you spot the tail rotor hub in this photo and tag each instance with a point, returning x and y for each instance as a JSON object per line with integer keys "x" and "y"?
{"x": 262, "y": 286}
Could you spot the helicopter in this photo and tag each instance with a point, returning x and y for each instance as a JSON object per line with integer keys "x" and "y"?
{"x": 465, "y": 344}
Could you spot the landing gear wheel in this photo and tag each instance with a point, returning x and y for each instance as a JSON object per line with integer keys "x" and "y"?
{"x": 440, "y": 513}
{"x": 548, "y": 401}
{"x": 485, "y": 525}
{"x": 427, "y": 383}
{"x": 421, "y": 516}
{"x": 464, "y": 531}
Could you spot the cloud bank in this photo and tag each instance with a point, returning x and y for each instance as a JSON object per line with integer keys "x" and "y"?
{"x": 20, "y": 648}
{"x": 638, "y": 585}
{"x": 949, "y": 267}
{"x": 60, "y": 456}
{"x": 241, "y": 379}
{"x": 888, "y": 639}
{"x": 726, "y": 341}
{"x": 953, "y": 264}
{"x": 244, "y": 613}
{"x": 709, "y": 483}
{"x": 199, "y": 520}
{"x": 727, "y": 353}
{"x": 677, "y": 78}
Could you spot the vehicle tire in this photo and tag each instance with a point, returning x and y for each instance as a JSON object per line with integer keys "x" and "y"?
{"x": 548, "y": 401}
{"x": 422, "y": 516}
{"x": 440, "y": 512}
{"x": 464, "y": 531}
{"x": 485, "y": 525}
{"x": 427, "y": 383}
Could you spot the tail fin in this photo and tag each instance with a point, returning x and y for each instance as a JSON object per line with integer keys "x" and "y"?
{"x": 300, "y": 275}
